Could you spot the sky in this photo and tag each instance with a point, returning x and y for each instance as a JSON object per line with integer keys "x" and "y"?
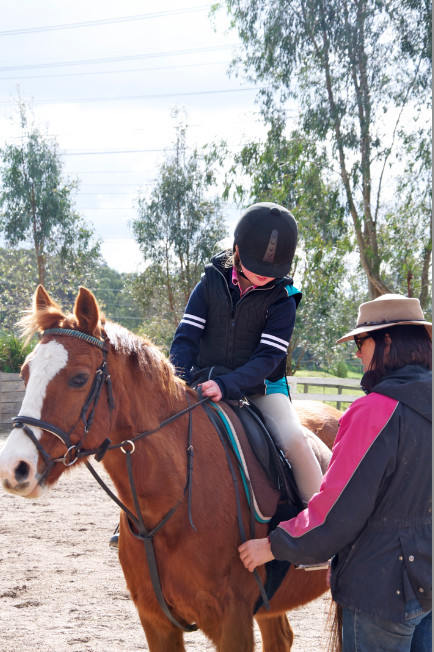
{"x": 103, "y": 78}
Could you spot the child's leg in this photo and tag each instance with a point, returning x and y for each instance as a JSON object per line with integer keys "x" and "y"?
{"x": 284, "y": 425}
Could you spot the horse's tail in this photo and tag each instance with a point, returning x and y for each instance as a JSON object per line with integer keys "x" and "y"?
{"x": 335, "y": 627}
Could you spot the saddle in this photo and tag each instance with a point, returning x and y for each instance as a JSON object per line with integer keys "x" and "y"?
{"x": 267, "y": 475}
{"x": 270, "y": 473}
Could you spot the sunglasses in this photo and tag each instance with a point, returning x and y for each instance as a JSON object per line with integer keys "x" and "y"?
{"x": 359, "y": 340}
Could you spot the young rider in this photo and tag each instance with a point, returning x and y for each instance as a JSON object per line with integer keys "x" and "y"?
{"x": 234, "y": 335}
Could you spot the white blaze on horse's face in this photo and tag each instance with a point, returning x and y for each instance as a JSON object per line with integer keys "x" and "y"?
{"x": 19, "y": 452}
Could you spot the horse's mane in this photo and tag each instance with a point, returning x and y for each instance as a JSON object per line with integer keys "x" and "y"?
{"x": 150, "y": 359}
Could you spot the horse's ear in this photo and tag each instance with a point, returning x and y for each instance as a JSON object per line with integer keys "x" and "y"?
{"x": 42, "y": 300}
{"x": 86, "y": 311}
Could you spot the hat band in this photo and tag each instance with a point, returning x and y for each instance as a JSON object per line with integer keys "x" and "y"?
{"x": 387, "y": 321}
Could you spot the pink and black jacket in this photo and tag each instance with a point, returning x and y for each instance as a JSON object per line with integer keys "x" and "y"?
{"x": 373, "y": 513}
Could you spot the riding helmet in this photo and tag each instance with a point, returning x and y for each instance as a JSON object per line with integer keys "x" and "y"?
{"x": 266, "y": 235}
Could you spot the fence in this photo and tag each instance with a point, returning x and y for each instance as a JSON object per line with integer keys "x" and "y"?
{"x": 12, "y": 393}
{"x": 296, "y": 382}
{"x": 11, "y": 397}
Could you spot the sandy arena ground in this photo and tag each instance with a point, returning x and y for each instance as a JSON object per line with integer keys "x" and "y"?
{"x": 62, "y": 588}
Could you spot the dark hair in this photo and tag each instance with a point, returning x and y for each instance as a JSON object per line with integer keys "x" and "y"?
{"x": 411, "y": 344}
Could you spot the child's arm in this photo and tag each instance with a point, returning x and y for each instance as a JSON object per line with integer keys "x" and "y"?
{"x": 186, "y": 343}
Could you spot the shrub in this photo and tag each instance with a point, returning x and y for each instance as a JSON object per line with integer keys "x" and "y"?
{"x": 13, "y": 352}
{"x": 340, "y": 369}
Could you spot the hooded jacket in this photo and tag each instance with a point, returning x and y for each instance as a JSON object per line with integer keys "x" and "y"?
{"x": 374, "y": 508}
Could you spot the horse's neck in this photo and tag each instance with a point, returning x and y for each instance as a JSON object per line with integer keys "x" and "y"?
{"x": 159, "y": 460}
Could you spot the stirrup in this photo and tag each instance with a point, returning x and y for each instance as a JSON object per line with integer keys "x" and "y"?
{"x": 114, "y": 539}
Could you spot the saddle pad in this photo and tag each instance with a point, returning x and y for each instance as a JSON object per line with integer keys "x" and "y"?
{"x": 265, "y": 497}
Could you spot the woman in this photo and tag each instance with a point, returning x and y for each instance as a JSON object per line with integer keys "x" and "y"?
{"x": 234, "y": 335}
{"x": 373, "y": 510}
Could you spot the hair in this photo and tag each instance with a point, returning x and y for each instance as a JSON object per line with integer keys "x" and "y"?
{"x": 410, "y": 344}
{"x": 233, "y": 260}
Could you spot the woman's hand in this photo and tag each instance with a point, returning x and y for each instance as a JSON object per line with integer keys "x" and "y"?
{"x": 211, "y": 389}
{"x": 255, "y": 552}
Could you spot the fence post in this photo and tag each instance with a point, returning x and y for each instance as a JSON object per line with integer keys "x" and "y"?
{"x": 338, "y": 404}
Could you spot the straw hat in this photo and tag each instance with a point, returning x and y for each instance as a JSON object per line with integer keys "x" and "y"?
{"x": 388, "y": 310}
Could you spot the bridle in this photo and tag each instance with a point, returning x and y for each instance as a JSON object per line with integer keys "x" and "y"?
{"x": 76, "y": 451}
{"x": 73, "y": 451}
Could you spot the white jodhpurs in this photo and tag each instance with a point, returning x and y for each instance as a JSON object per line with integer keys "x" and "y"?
{"x": 284, "y": 426}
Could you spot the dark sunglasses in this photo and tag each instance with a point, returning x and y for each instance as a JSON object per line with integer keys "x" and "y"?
{"x": 359, "y": 340}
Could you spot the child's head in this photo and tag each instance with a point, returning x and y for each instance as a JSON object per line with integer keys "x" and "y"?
{"x": 265, "y": 239}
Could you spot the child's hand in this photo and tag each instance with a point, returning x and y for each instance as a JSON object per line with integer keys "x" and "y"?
{"x": 255, "y": 552}
{"x": 211, "y": 389}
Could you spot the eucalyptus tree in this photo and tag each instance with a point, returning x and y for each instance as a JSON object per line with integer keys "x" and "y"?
{"x": 178, "y": 226}
{"x": 36, "y": 203}
{"x": 360, "y": 71}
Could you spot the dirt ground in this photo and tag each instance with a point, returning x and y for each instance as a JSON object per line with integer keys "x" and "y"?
{"x": 62, "y": 588}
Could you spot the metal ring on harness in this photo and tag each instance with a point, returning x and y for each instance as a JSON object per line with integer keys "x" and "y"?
{"x": 131, "y": 443}
{"x": 68, "y": 453}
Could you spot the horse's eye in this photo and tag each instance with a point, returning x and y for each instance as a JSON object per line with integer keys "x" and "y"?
{"x": 79, "y": 380}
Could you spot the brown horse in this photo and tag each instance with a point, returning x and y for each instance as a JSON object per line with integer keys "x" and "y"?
{"x": 91, "y": 388}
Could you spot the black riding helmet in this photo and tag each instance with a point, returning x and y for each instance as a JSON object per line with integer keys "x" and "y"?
{"x": 266, "y": 235}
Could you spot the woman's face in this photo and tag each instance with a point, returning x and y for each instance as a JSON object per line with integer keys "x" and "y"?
{"x": 367, "y": 349}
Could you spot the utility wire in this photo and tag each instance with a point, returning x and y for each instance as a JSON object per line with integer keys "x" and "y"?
{"x": 151, "y": 96}
{"x": 115, "y": 72}
{"x": 103, "y": 21}
{"x": 126, "y": 57}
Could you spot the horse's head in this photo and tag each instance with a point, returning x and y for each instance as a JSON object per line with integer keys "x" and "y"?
{"x": 64, "y": 377}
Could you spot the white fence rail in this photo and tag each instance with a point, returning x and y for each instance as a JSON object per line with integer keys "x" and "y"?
{"x": 299, "y": 386}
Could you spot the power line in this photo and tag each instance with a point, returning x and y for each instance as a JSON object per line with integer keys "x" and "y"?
{"x": 102, "y": 21}
{"x": 114, "y": 72}
{"x": 127, "y": 57}
{"x": 151, "y": 96}
{"x": 129, "y": 151}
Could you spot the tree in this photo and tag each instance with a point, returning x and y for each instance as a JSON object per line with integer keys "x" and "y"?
{"x": 19, "y": 278}
{"x": 36, "y": 205}
{"x": 177, "y": 229}
{"x": 360, "y": 70}
{"x": 292, "y": 172}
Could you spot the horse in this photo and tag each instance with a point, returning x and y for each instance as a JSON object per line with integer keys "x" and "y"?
{"x": 95, "y": 388}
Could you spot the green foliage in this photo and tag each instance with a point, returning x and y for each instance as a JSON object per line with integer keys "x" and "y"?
{"x": 18, "y": 281}
{"x": 360, "y": 73}
{"x": 13, "y": 352}
{"x": 36, "y": 205}
{"x": 160, "y": 331}
{"x": 177, "y": 229}
{"x": 340, "y": 369}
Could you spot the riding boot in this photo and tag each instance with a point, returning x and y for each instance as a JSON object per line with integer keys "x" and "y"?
{"x": 114, "y": 539}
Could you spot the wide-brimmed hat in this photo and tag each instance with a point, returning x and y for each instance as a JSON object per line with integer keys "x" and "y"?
{"x": 386, "y": 311}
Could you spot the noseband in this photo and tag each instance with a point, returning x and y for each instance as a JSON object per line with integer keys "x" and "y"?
{"x": 73, "y": 451}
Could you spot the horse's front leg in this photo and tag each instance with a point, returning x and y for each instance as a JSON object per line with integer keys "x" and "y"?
{"x": 276, "y": 633}
{"x": 236, "y": 627}
{"x": 162, "y": 636}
